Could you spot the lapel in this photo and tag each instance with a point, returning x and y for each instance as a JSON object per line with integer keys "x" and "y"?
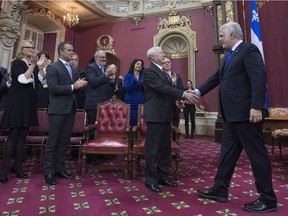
{"x": 224, "y": 68}
{"x": 161, "y": 72}
{"x": 65, "y": 70}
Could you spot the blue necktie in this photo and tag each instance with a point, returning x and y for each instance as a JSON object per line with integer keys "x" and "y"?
{"x": 103, "y": 71}
{"x": 229, "y": 54}
{"x": 69, "y": 69}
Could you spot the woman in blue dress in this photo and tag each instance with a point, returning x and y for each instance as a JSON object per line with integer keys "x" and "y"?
{"x": 134, "y": 89}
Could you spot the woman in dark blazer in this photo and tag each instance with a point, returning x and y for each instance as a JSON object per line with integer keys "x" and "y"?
{"x": 20, "y": 112}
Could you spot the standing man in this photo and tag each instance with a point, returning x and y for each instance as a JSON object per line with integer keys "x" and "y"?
{"x": 80, "y": 95}
{"x": 177, "y": 83}
{"x": 99, "y": 88}
{"x": 242, "y": 81}
{"x": 63, "y": 81}
{"x": 160, "y": 97}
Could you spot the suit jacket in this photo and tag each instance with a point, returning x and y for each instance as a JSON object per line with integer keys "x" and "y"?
{"x": 98, "y": 89}
{"x": 159, "y": 95}
{"x": 61, "y": 96}
{"x": 242, "y": 83}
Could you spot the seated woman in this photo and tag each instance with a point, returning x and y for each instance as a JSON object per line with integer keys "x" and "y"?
{"x": 134, "y": 89}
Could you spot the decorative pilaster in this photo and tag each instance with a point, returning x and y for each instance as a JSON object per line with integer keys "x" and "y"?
{"x": 10, "y": 28}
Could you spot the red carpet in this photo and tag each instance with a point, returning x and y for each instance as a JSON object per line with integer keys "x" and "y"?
{"x": 105, "y": 192}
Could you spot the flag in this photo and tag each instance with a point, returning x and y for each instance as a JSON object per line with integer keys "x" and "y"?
{"x": 256, "y": 36}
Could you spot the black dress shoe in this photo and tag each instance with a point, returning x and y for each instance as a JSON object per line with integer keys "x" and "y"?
{"x": 50, "y": 179}
{"x": 211, "y": 194}
{"x": 167, "y": 182}
{"x": 259, "y": 206}
{"x": 64, "y": 175}
{"x": 153, "y": 187}
{"x": 19, "y": 173}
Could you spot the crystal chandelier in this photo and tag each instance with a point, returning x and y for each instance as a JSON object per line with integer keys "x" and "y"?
{"x": 71, "y": 19}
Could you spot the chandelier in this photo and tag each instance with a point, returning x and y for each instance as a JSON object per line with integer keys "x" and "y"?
{"x": 71, "y": 19}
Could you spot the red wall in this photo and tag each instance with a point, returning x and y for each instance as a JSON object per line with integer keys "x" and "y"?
{"x": 131, "y": 41}
{"x": 273, "y": 23}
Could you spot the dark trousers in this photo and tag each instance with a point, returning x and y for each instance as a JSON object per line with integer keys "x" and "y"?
{"x": 248, "y": 136}
{"x": 15, "y": 145}
{"x": 157, "y": 152}
{"x": 60, "y": 129}
{"x": 189, "y": 111}
{"x": 91, "y": 118}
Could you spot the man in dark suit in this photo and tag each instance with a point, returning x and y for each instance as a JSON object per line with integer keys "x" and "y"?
{"x": 177, "y": 83}
{"x": 5, "y": 83}
{"x": 242, "y": 81}
{"x": 160, "y": 97}
{"x": 98, "y": 89}
{"x": 63, "y": 81}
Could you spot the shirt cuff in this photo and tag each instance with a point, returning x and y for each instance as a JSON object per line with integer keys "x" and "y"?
{"x": 22, "y": 79}
{"x": 198, "y": 92}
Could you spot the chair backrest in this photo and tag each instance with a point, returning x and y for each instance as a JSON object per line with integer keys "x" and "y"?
{"x": 43, "y": 121}
{"x": 80, "y": 122}
{"x": 113, "y": 117}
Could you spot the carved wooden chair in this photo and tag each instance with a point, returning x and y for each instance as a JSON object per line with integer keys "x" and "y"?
{"x": 279, "y": 133}
{"x": 38, "y": 135}
{"x": 79, "y": 134}
{"x": 112, "y": 133}
{"x": 3, "y": 135}
{"x": 139, "y": 133}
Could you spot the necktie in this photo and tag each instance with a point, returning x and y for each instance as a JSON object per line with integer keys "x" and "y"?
{"x": 229, "y": 54}
{"x": 69, "y": 69}
{"x": 103, "y": 71}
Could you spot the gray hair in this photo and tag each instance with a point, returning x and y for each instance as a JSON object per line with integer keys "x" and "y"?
{"x": 152, "y": 51}
{"x": 233, "y": 27}
{"x": 98, "y": 52}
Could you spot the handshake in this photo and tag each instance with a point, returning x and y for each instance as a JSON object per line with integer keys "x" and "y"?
{"x": 190, "y": 97}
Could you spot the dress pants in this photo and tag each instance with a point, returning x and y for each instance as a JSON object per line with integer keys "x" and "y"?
{"x": 60, "y": 129}
{"x": 157, "y": 152}
{"x": 236, "y": 136}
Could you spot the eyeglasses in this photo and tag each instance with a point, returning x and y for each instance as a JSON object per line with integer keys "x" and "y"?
{"x": 168, "y": 62}
{"x": 28, "y": 47}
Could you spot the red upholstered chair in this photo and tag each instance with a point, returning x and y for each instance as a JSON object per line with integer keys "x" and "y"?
{"x": 112, "y": 133}
{"x": 37, "y": 136}
{"x": 139, "y": 142}
{"x": 3, "y": 135}
{"x": 79, "y": 132}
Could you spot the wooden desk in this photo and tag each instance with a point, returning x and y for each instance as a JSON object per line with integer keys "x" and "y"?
{"x": 270, "y": 124}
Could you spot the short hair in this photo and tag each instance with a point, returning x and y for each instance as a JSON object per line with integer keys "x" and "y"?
{"x": 152, "y": 51}
{"x": 233, "y": 27}
{"x": 43, "y": 52}
{"x": 61, "y": 46}
{"x": 132, "y": 64}
{"x": 98, "y": 52}
{"x": 19, "y": 53}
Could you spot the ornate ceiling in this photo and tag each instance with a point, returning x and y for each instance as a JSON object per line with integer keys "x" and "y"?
{"x": 93, "y": 12}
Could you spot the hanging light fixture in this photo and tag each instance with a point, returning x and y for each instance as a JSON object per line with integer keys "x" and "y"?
{"x": 71, "y": 19}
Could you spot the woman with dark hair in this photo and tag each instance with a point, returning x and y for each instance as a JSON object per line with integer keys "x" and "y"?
{"x": 189, "y": 110}
{"x": 20, "y": 112}
{"x": 134, "y": 89}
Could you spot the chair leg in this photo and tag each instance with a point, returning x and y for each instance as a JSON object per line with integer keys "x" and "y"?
{"x": 280, "y": 147}
{"x": 83, "y": 171}
{"x": 126, "y": 168}
{"x": 272, "y": 150}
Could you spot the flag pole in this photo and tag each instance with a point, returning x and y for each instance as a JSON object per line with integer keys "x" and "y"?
{"x": 244, "y": 20}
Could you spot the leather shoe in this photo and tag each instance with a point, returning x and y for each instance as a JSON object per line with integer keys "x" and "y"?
{"x": 211, "y": 194}
{"x": 153, "y": 187}
{"x": 64, "y": 175}
{"x": 167, "y": 182}
{"x": 259, "y": 206}
{"x": 50, "y": 179}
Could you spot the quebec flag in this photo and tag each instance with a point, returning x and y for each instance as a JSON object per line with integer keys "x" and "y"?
{"x": 256, "y": 34}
